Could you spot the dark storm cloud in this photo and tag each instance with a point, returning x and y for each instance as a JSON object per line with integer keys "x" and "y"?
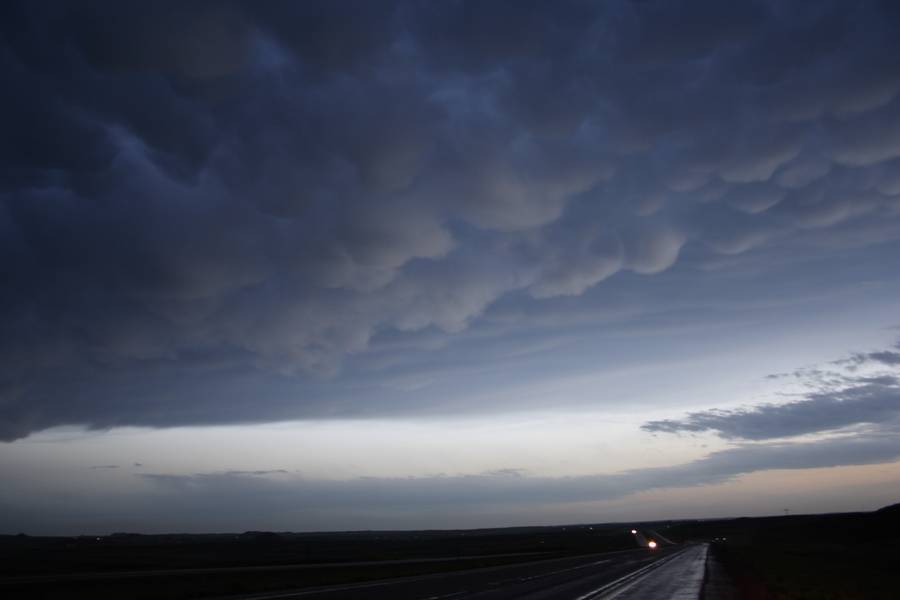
{"x": 885, "y": 357}
{"x": 205, "y": 207}
{"x": 861, "y": 404}
{"x": 837, "y": 400}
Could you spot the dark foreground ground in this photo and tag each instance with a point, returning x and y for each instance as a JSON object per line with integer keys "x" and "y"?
{"x": 195, "y": 566}
{"x": 822, "y": 557}
{"x": 817, "y": 557}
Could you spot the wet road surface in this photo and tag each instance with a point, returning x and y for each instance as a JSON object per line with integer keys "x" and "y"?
{"x": 664, "y": 574}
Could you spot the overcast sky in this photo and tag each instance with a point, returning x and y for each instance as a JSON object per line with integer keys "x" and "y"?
{"x": 361, "y": 264}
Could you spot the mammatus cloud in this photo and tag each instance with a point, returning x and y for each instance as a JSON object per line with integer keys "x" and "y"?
{"x": 195, "y": 198}
{"x": 837, "y": 401}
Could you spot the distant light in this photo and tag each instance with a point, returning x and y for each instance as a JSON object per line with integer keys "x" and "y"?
{"x": 651, "y": 544}
{"x": 634, "y": 532}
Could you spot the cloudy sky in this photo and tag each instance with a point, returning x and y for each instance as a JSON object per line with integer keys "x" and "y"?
{"x": 397, "y": 264}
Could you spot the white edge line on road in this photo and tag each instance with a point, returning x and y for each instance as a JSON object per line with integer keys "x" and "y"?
{"x": 626, "y": 578}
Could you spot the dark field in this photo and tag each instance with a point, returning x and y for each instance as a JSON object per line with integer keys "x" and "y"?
{"x": 191, "y": 566}
{"x": 838, "y": 556}
{"x": 833, "y": 557}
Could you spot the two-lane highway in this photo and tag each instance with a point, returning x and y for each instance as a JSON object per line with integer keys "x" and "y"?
{"x": 673, "y": 572}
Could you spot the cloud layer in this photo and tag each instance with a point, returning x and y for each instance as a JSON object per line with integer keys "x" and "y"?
{"x": 278, "y": 500}
{"x": 511, "y": 488}
{"x": 196, "y": 197}
{"x": 837, "y": 401}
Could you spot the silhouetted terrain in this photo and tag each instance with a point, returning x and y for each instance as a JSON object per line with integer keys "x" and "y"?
{"x": 852, "y": 555}
{"x": 832, "y": 556}
{"x": 186, "y": 566}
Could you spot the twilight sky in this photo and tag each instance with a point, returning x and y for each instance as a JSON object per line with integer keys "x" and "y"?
{"x": 397, "y": 264}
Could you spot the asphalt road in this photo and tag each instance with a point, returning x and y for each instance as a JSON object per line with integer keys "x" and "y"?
{"x": 145, "y": 573}
{"x": 662, "y": 574}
